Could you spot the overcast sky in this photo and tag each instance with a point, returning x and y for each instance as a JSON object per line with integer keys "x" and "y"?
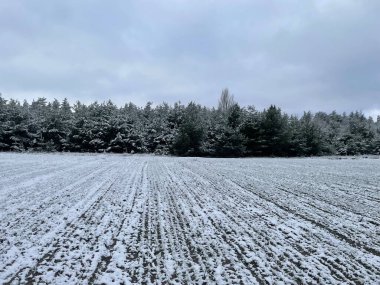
{"x": 297, "y": 54}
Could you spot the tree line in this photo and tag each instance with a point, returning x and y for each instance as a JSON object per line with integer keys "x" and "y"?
{"x": 191, "y": 130}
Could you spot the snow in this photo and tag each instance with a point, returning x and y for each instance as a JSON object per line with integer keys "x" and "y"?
{"x": 112, "y": 219}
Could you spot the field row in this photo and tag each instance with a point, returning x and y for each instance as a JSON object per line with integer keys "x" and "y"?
{"x": 82, "y": 219}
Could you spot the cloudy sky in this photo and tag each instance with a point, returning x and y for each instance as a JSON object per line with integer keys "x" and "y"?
{"x": 297, "y": 54}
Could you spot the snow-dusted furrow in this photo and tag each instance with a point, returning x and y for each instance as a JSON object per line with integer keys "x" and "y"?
{"x": 315, "y": 208}
{"x": 116, "y": 219}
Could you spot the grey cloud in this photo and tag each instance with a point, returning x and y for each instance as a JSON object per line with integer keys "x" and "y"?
{"x": 300, "y": 55}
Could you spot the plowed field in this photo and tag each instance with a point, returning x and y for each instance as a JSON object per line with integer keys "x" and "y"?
{"x": 117, "y": 219}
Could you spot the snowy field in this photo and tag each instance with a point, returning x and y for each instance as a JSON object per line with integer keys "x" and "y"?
{"x": 116, "y": 219}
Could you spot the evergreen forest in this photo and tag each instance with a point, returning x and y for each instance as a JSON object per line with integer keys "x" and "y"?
{"x": 185, "y": 130}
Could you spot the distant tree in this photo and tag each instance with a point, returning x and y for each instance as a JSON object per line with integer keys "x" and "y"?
{"x": 226, "y": 101}
{"x": 118, "y": 144}
{"x": 296, "y": 146}
{"x": 274, "y": 138}
{"x": 311, "y": 139}
{"x": 3, "y": 123}
{"x": 191, "y": 132}
{"x": 231, "y": 140}
{"x": 252, "y": 131}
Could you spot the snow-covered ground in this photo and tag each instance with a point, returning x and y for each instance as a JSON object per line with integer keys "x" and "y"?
{"x": 117, "y": 219}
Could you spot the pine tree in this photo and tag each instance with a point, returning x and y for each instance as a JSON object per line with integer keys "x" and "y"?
{"x": 191, "y": 132}
{"x": 274, "y": 139}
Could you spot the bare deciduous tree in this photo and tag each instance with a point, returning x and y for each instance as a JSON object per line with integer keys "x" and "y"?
{"x": 226, "y": 100}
